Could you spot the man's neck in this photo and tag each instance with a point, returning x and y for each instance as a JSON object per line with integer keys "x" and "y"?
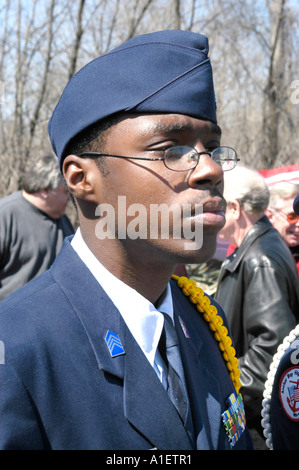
{"x": 35, "y": 199}
{"x": 245, "y": 224}
{"x": 38, "y": 200}
{"x": 149, "y": 278}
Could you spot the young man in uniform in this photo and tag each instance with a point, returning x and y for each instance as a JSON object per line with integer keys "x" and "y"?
{"x": 88, "y": 361}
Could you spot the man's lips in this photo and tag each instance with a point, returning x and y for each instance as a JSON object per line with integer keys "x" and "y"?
{"x": 209, "y": 212}
{"x": 213, "y": 218}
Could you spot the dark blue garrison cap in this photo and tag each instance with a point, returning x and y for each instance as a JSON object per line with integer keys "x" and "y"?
{"x": 160, "y": 72}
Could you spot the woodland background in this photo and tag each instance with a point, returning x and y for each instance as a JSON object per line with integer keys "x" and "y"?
{"x": 253, "y": 49}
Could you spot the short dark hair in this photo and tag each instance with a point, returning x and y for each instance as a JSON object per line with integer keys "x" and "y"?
{"x": 93, "y": 138}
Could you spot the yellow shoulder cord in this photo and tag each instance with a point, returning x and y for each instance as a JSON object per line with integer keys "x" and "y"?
{"x": 196, "y": 296}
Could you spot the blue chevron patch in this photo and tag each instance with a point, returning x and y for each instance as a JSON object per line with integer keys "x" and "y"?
{"x": 114, "y": 344}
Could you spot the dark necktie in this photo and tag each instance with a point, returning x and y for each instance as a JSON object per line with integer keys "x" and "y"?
{"x": 169, "y": 350}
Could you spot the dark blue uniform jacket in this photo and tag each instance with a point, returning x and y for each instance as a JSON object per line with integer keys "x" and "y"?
{"x": 61, "y": 389}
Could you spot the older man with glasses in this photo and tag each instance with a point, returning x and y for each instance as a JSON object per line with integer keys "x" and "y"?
{"x": 282, "y": 215}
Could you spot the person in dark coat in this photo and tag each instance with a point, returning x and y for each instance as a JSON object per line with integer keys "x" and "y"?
{"x": 281, "y": 394}
{"x": 282, "y": 216}
{"x": 258, "y": 287}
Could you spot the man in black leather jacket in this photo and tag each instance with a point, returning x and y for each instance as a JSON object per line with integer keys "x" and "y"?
{"x": 258, "y": 288}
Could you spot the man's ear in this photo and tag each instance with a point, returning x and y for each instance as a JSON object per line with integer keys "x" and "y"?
{"x": 269, "y": 214}
{"x": 43, "y": 193}
{"x": 235, "y": 208}
{"x": 77, "y": 174}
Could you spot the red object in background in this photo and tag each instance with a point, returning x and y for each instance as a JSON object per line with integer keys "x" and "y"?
{"x": 231, "y": 249}
{"x": 288, "y": 173}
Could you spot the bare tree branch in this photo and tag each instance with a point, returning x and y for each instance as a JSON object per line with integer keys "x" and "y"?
{"x": 44, "y": 80}
{"x": 79, "y": 34}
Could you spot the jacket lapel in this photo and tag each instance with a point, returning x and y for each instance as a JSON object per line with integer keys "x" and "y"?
{"x": 202, "y": 381}
{"x": 146, "y": 404}
{"x": 96, "y": 313}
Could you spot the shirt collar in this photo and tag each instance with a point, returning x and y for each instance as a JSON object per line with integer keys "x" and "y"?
{"x": 131, "y": 305}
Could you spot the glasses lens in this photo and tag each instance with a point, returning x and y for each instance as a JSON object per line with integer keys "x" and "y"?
{"x": 292, "y": 217}
{"x": 181, "y": 158}
{"x": 226, "y": 157}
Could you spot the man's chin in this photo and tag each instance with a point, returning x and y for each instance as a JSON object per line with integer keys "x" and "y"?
{"x": 193, "y": 252}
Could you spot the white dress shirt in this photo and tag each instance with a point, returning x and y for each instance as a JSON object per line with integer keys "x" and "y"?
{"x": 144, "y": 321}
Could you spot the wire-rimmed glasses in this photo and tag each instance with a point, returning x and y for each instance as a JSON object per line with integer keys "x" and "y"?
{"x": 183, "y": 158}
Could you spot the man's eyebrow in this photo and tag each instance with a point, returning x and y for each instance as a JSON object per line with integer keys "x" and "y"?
{"x": 177, "y": 127}
{"x": 169, "y": 128}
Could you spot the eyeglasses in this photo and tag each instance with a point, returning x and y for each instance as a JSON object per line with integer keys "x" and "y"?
{"x": 183, "y": 158}
{"x": 292, "y": 218}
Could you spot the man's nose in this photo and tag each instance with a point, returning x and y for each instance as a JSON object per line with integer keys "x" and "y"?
{"x": 206, "y": 171}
